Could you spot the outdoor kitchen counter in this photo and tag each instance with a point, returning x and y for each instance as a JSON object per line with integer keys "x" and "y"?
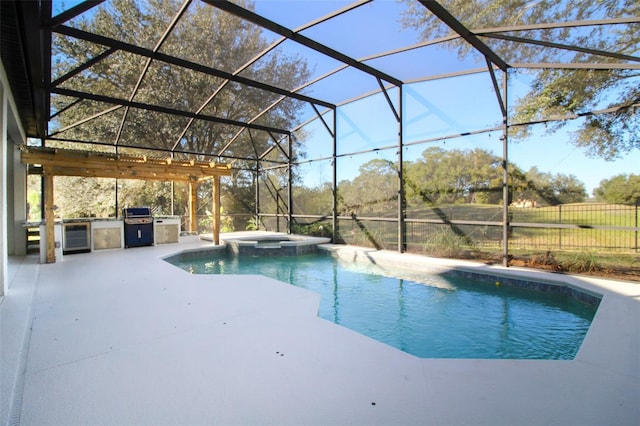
{"x": 72, "y": 220}
{"x": 109, "y": 233}
{"x": 105, "y": 233}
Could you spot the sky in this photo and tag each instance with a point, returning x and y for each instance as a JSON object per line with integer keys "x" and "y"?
{"x": 449, "y": 107}
{"x": 463, "y": 105}
{"x": 554, "y": 154}
{"x": 431, "y": 109}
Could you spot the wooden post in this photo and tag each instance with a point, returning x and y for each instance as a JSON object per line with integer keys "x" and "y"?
{"x": 193, "y": 197}
{"x": 216, "y": 210}
{"x": 49, "y": 219}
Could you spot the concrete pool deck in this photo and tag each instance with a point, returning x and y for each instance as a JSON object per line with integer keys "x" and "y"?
{"x": 122, "y": 337}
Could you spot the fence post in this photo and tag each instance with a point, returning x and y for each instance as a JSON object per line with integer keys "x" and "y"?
{"x": 560, "y": 229}
{"x": 637, "y": 204}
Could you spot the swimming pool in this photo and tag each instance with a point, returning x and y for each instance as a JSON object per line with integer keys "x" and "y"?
{"x": 427, "y": 315}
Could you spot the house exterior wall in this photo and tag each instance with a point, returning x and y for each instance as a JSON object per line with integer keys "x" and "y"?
{"x": 13, "y": 190}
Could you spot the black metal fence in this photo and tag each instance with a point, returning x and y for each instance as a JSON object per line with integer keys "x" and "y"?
{"x": 603, "y": 227}
{"x": 455, "y": 230}
{"x": 462, "y": 230}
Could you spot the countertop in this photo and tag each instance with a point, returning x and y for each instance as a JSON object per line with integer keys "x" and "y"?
{"x": 91, "y": 219}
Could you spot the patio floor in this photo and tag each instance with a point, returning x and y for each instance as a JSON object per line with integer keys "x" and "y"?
{"x": 122, "y": 337}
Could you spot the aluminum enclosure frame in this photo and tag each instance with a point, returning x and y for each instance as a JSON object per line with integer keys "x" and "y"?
{"x": 36, "y": 27}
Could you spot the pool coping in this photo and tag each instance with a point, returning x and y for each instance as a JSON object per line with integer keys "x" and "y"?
{"x": 590, "y": 290}
{"x": 601, "y": 336}
{"x": 383, "y": 259}
{"x": 273, "y": 361}
{"x": 247, "y": 243}
{"x": 587, "y": 289}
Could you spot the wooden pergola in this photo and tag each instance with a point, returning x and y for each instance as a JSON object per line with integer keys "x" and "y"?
{"x": 61, "y": 162}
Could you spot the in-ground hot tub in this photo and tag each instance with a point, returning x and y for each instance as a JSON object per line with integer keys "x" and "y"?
{"x": 274, "y": 244}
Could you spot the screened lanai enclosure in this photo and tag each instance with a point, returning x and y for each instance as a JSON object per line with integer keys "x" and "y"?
{"x": 407, "y": 125}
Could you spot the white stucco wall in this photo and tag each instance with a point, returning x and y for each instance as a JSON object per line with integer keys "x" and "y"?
{"x": 3, "y": 189}
{"x": 12, "y": 182}
{"x": 17, "y": 202}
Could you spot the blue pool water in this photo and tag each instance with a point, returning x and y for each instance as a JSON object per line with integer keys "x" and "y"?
{"x": 427, "y": 316}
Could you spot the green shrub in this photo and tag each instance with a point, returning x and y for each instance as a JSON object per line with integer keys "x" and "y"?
{"x": 313, "y": 229}
{"x": 446, "y": 243}
{"x": 585, "y": 261}
{"x": 252, "y": 224}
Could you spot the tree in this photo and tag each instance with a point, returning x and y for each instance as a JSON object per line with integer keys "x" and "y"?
{"x": 556, "y": 92}
{"x": 204, "y": 35}
{"x": 454, "y": 176}
{"x": 84, "y": 197}
{"x": 620, "y": 189}
{"x": 568, "y": 189}
{"x": 315, "y": 200}
{"x": 34, "y": 198}
{"x": 153, "y": 194}
{"x": 549, "y": 189}
{"x": 375, "y": 189}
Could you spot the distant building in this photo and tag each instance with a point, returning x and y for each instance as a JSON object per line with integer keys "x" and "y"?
{"x": 524, "y": 203}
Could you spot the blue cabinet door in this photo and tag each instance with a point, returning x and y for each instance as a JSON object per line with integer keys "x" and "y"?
{"x": 138, "y": 235}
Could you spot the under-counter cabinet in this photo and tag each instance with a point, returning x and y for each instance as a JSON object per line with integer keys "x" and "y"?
{"x": 167, "y": 230}
{"x": 107, "y": 234}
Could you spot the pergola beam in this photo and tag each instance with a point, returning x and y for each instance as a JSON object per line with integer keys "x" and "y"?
{"x": 96, "y": 164}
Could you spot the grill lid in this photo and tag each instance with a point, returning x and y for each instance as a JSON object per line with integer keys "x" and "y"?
{"x": 131, "y": 212}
